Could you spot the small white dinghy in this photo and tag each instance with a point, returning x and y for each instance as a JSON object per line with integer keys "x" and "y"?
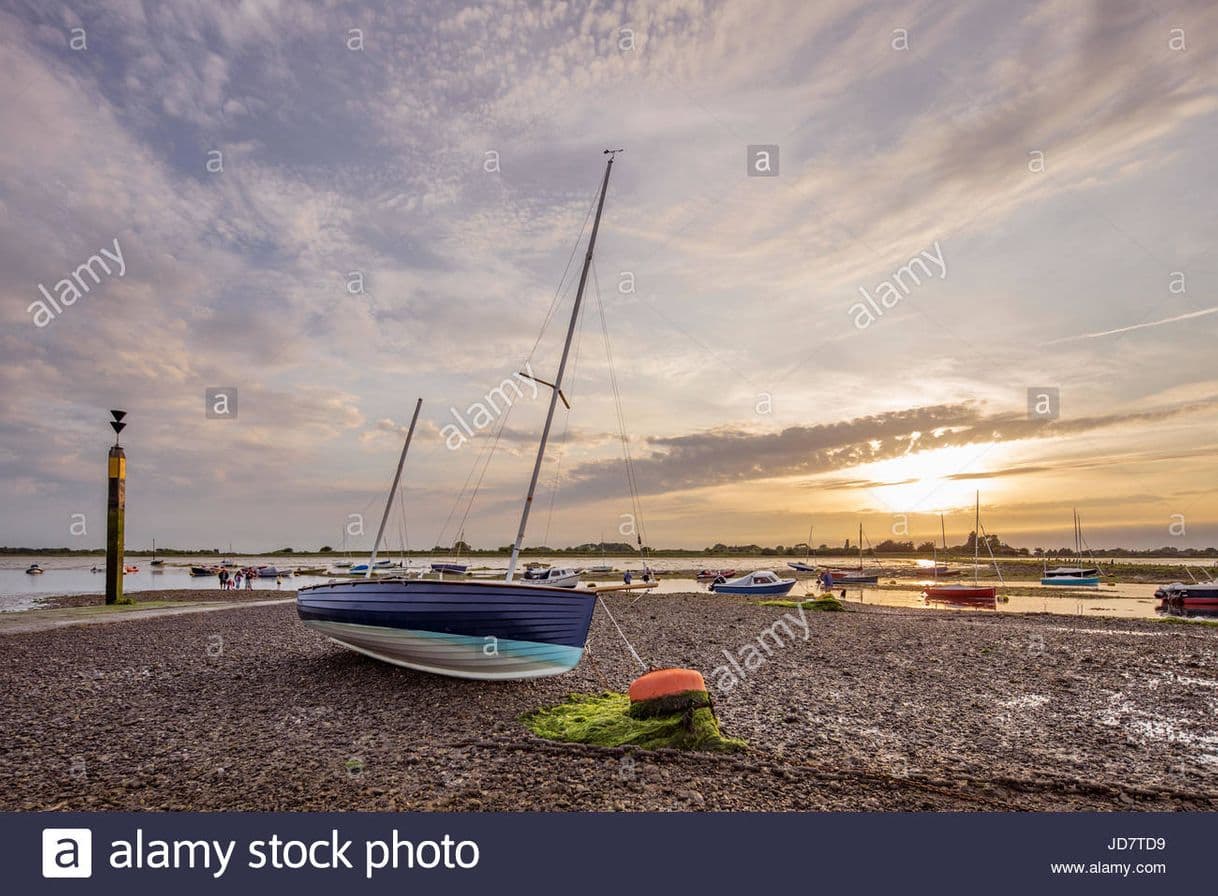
{"x": 558, "y": 576}
{"x": 763, "y": 581}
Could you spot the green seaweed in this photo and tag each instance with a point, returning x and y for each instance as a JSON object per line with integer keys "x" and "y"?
{"x": 604, "y": 720}
{"x": 828, "y": 604}
{"x": 669, "y": 705}
{"x": 1183, "y": 620}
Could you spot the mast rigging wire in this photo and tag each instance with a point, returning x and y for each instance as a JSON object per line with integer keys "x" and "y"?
{"x": 484, "y": 457}
{"x": 627, "y": 458}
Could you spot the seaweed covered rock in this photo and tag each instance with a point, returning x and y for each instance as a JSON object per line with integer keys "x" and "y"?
{"x": 826, "y": 604}
{"x": 606, "y": 720}
{"x": 663, "y": 692}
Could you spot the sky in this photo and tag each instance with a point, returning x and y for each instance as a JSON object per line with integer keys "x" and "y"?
{"x": 337, "y": 208}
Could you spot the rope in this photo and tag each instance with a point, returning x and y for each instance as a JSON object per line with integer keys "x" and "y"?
{"x": 1083, "y": 539}
{"x": 597, "y": 669}
{"x": 626, "y": 640}
{"x": 558, "y": 290}
{"x": 991, "y": 552}
{"x": 494, "y": 446}
{"x": 562, "y": 441}
{"x": 487, "y": 451}
{"x": 628, "y": 460}
{"x": 483, "y": 452}
{"x": 562, "y": 447}
{"x": 404, "y": 532}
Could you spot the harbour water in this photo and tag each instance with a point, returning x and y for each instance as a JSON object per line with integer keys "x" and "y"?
{"x": 74, "y": 575}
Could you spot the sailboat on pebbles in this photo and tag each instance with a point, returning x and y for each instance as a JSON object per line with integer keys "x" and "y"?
{"x": 465, "y": 628}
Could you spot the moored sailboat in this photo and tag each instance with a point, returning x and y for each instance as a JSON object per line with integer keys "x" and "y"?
{"x": 975, "y": 593}
{"x": 850, "y": 577}
{"x": 1073, "y": 576}
{"x": 466, "y": 628}
{"x": 806, "y": 564}
{"x": 360, "y": 568}
{"x": 934, "y": 567}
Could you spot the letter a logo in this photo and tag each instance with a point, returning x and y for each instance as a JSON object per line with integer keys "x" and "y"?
{"x": 67, "y": 852}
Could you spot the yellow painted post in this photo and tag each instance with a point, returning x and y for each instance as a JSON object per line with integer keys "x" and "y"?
{"x": 116, "y": 506}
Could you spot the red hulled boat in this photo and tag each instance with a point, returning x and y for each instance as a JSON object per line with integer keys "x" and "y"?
{"x": 973, "y": 595}
{"x": 1197, "y": 596}
{"x": 970, "y": 594}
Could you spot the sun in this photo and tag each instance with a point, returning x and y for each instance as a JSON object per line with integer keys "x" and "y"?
{"x": 940, "y": 481}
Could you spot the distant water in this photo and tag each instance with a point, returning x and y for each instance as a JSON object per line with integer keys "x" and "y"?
{"x": 73, "y": 575}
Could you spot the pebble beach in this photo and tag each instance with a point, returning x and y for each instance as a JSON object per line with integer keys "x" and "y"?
{"x": 874, "y": 708}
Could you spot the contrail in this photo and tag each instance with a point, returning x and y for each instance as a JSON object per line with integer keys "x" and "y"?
{"x": 1153, "y": 323}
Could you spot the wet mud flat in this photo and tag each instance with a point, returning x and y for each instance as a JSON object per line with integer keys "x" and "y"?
{"x": 869, "y": 709}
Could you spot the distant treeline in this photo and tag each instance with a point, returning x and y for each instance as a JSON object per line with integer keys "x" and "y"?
{"x": 888, "y": 547}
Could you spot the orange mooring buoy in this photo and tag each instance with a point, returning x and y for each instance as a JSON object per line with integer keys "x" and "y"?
{"x": 667, "y": 691}
{"x": 664, "y": 683}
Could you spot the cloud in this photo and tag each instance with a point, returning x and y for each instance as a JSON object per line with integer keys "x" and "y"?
{"x": 338, "y": 161}
{"x": 1154, "y": 323}
{"x": 718, "y": 457}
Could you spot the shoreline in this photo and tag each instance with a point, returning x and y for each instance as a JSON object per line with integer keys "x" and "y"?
{"x": 1118, "y": 563}
{"x": 878, "y": 708}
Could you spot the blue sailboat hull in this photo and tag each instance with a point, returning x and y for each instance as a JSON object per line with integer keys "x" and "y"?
{"x": 776, "y": 588}
{"x": 854, "y": 579}
{"x": 464, "y": 629}
{"x": 1067, "y": 581}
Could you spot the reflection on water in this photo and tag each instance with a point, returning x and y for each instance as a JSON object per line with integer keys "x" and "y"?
{"x": 72, "y": 575}
{"x": 1130, "y": 601}
{"x": 19, "y": 591}
{"x": 1174, "y": 609}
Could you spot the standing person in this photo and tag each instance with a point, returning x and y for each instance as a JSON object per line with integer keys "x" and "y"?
{"x": 249, "y": 582}
{"x": 223, "y": 579}
{"x": 237, "y": 579}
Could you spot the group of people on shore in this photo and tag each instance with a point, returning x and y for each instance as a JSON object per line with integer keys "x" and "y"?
{"x": 238, "y": 579}
{"x": 230, "y": 581}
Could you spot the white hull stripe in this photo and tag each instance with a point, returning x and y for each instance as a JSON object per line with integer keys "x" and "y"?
{"x": 459, "y": 656}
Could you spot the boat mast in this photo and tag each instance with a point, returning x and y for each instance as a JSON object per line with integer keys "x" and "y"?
{"x": 976, "y": 536}
{"x": 393, "y": 489}
{"x": 555, "y": 389}
{"x": 860, "y": 547}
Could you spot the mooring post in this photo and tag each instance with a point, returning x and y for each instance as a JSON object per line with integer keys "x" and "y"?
{"x": 116, "y": 505}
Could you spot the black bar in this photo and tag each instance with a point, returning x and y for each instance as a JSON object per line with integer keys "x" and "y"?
{"x": 638, "y": 853}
